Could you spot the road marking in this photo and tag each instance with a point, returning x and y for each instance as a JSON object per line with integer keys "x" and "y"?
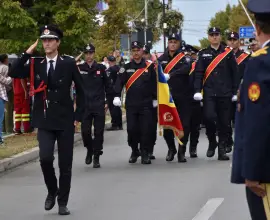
{"x": 209, "y": 209}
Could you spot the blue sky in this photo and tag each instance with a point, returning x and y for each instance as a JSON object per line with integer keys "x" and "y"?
{"x": 197, "y": 14}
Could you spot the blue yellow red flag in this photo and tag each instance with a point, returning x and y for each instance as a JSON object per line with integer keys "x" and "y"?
{"x": 168, "y": 117}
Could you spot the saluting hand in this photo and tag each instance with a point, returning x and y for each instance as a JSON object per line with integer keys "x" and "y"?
{"x": 32, "y": 48}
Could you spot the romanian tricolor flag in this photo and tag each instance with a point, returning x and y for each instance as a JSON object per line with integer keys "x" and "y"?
{"x": 168, "y": 117}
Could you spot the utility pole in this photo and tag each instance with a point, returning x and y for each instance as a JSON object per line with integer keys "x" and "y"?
{"x": 164, "y": 25}
{"x": 146, "y": 20}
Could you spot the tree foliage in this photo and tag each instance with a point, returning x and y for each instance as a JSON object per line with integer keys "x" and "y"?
{"x": 174, "y": 20}
{"x": 20, "y": 22}
{"x": 228, "y": 20}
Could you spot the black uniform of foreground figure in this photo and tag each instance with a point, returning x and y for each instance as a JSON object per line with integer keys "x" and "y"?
{"x": 148, "y": 57}
{"x": 53, "y": 112}
{"x": 115, "y": 111}
{"x": 96, "y": 84}
{"x": 196, "y": 109}
{"x": 219, "y": 90}
{"x": 140, "y": 99}
{"x": 251, "y": 155}
{"x": 178, "y": 80}
{"x": 242, "y": 59}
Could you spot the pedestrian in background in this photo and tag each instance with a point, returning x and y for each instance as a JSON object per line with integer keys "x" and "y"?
{"x": 5, "y": 82}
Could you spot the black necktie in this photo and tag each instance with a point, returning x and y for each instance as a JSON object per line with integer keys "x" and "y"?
{"x": 50, "y": 72}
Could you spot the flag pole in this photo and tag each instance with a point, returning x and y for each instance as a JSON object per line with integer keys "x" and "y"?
{"x": 159, "y": 127}
{"x": 249, "y": 18}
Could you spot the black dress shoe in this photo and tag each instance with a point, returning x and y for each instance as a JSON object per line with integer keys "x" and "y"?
{"x": 152, "y": 156}
{"x": 88, "y": 159}
{"x": 211, "y": 149}
{"x": 222, "y": 151}
{"x": 50, "y": 201}
{"x": 63, "y": 210}
{"x": 134, "y": 156}
{"x": 223, "y": 157}
{"x": 170, "y": 155}
{"x": 228, "y": 149}
{"x": 181, "y": 158}
{"x": 145, "y": 159}
{"x": 113, "y": 128}
{"x": 96, "y": 163}
{"x": 193, "y": 154}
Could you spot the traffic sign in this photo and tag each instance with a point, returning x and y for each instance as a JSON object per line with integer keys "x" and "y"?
{"x": 246, "y": 32}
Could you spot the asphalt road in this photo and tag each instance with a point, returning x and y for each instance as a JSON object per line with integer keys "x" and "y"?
{"x": 197, "y": 190}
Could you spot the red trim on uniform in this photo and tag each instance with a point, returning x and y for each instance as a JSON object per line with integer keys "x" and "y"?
{"x": 173, "y": 62}
{"x": 136, "y": 75}
{"x": 214, "y": 63}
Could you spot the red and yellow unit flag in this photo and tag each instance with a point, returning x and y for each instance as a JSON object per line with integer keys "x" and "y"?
{"x": 168, "y": 117}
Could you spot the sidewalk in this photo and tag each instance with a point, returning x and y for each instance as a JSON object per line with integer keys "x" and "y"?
{"x": 32, "y": 153}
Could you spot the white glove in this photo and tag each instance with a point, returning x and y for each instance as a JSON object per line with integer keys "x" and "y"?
{"x": 234, "y": 98}
{"x": 155, "y": 103}
{"x": 9, "y": 80}
{"x": 117, "y": 101}
{"x": 197, "y": 96}
{"x": 167, "y": 76}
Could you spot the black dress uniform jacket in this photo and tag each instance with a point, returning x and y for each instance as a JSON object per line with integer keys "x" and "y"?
{"x": 144, "y": 89}
{"x": 60, "y": 112}
{"x": 113, "y": 73}
{"x": 256, "y": 97}
{"x": 94, "y": 79}
{"x": 223, "y": 81}
{"x": 179, "y": 82}
{"x": 242, "y": 65}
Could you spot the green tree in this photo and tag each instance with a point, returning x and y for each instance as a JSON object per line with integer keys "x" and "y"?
{"x": 174, "y": 20}
{"x": 238, "y": 17}
{"x": 221, "y": 20}
{"x": 116, "y": 20}
{"x": 20, "y": 23}
{"x": 204, "y": 42}
{"x": 17, "y": 27}
{"x": 229, "y": 19}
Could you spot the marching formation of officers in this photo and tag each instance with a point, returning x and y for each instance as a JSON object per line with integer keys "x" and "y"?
{"x": 203, "y": 85}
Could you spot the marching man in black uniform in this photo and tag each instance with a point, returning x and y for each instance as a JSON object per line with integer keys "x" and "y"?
{"x": 196, "y": 110}
{"x": 53, "y": 114}
{"x": 176, "y": 68}
{"x": 148, "y": 57}
{"x": 96, "y": 84}
{"x": 115, "y": 111}
{"x": 253, "y": 161}
{"x": 139, "y": 78}
{"x": 241, "y": 59}
{"x": 216, "y": 72}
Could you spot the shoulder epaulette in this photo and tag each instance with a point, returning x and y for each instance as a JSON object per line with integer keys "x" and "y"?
{"x": 38, "y": 57}
{"x": 260, "y": 52}
{"x": 67, "y": 57}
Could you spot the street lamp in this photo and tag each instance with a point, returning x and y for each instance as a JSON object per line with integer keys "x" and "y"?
{"x": 164, "y": 26}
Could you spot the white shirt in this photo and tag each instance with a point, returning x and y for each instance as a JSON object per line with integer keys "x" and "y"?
{"x": 48, "y": 62}
{"x": 265, "y": 43}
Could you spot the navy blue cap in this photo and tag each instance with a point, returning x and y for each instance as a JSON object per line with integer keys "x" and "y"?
{"x": 214, "y": 30}
{"x": 191, "y": 49}
{"x": 174, "y": 36}
{"x": 146, "y": 48}
{"x": 50, "y": 31}
{"x": 136, "y": 44}
{"x": 259, "y": 6}
{"x": 233, "y": 35}
{"x": 89, "y": 48}
{"x": 111, "y": 58}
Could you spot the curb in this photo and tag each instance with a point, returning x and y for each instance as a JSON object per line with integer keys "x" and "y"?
{"x": 33, "y": 154}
